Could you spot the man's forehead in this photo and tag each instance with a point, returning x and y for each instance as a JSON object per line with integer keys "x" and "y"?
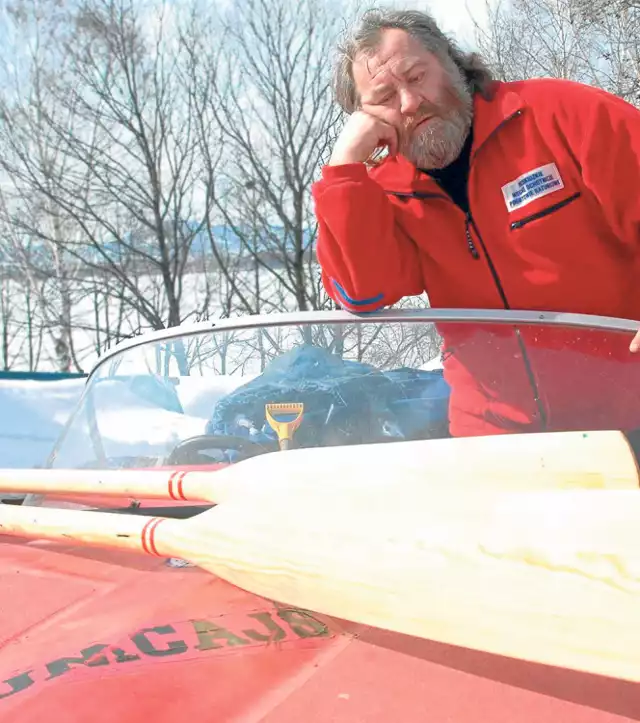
{"x": 396, "y": 53}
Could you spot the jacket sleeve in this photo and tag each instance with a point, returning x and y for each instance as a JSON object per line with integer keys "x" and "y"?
{"x": 603, "y": 132}
{"x": 367, "y": 262}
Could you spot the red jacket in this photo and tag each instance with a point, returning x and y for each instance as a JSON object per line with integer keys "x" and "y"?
{"x": 554, "y": 225}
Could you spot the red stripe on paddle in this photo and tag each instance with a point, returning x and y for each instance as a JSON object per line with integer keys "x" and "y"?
{"x": 148, "y": 536}
{"x": 175, "y": 486}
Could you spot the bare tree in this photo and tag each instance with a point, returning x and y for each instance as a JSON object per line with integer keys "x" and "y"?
{"x": 128, "y": 186}
{"x": 156, "y": 162}
{"x": 269, "y": 95}
{"x": 35, "y": 230}
{"x": 587, "y": 41}
{"x": 8, "y": 331}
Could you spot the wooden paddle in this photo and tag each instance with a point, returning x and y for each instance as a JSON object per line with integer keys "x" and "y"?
{"x": 550, "y": 575}
{"x": 600, "y": 460}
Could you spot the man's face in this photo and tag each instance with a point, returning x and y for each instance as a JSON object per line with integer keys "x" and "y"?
{"x": 408, "y": 87}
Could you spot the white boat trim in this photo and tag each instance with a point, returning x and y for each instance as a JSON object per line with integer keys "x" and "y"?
{"x": 300, "y": 318}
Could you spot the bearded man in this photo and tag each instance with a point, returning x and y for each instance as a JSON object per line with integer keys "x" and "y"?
{"x": 520, "y": 195}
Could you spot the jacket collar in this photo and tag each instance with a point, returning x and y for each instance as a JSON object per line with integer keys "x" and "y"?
{"x": 489, "y": 115}
{"x": 400, "y": 175}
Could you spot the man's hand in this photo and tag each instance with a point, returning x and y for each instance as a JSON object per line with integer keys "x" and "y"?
{"x": 360, "y": 137}
{"x": 635, "y": 344}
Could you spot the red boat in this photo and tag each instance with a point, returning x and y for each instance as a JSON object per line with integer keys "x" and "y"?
{"x": 105, "y": 636}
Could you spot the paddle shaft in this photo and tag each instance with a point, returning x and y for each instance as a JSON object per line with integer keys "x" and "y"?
{"x": 595, "y": 460}
{"x": 91, "y": 529}
{"x": 134, "y": 484}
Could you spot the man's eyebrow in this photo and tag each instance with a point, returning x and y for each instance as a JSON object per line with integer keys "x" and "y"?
{"x": 378, "y": 91}
{"x": 412, "y": 66}
{"x": 384, "y": 88}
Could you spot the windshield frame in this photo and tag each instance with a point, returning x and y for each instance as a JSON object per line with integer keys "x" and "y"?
{"x": 307, "y": 318}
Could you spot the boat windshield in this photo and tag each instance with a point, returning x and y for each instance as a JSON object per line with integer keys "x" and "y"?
{"x": 216, "y": 395}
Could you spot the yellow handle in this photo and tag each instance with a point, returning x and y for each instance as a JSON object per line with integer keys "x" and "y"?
{"x": 285, "y": 429}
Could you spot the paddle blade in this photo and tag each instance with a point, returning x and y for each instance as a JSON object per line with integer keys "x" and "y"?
{"x": 550, "y": 577}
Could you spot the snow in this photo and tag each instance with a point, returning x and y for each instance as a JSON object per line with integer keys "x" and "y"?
{"x": 198, "y": 395}
{"x": 33, "y": 414}
{"x": 432, "y": 365}
{"x": 128, "y": 425}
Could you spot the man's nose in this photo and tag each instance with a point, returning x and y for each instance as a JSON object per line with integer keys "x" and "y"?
{"x": 409, "y": 101}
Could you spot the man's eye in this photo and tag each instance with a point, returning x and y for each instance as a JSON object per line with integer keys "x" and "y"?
{"x": 416, "y": 78}
{"x": 383, "y": 100}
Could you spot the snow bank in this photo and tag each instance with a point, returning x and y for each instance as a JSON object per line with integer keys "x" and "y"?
{"x": 199, "y": 395}
{"x": 32, "y": 414}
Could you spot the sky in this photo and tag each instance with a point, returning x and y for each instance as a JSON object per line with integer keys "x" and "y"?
{"x": 454, "y": 16}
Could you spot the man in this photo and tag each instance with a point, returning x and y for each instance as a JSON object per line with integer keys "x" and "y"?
{"x": 516, "y": 195}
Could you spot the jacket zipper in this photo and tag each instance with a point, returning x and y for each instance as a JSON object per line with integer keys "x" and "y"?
{"x": 496, "y": 279}
{"x": 474, "y": 252}
{"x": 545, "y": 212}
{"x": 472, "y": 247}
{"x": 525, "y": 356}
{"x": 470, "y": 221}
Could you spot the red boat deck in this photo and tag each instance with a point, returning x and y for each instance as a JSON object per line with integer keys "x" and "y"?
{"x": 96, "y": 636}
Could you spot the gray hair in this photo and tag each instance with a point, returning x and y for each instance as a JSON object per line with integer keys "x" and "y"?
{"x": 421, "y": 26}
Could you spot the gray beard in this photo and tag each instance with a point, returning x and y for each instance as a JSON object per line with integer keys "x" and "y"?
{"x": 442, "y": 140}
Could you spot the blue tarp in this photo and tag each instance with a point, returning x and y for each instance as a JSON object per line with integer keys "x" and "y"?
{"x": 41, "y": 376}
{"x": 345, "y": 402}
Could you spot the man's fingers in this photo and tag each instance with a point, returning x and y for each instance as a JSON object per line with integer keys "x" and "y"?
{"x": 362, "y": 140}
{"x": 635, "y": 343}
{"x": 393, "y": 142}
{"x": 389, "y": 139}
